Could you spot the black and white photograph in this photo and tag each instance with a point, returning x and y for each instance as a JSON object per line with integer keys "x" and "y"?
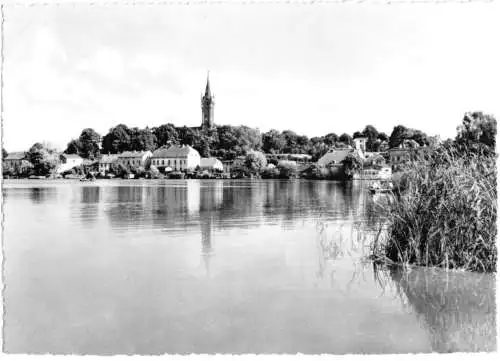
{"x": 249, "y": 178}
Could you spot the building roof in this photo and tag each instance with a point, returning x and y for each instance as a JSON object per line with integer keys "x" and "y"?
{"x": 174, "y": 151}
{"x": 209, "y": 162}
{"x": 110, "y": 158}
{"x": 133, "y": 154}
{"x": 335, "y": 155}
{"x": 289, "y": 155}
{"x": 370, "y": 156}
{"x": 16, "y": 156}
{"x": 71, "y": 156}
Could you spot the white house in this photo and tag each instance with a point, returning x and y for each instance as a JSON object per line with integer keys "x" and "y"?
{"x": 360, "y": 143}
{"x": 176, "y": 157}
{"x": 211, "y": 164}
{"x": 69, "y": 161}
{"x": 137, "y": 159}
{"x": 15, "y": 160}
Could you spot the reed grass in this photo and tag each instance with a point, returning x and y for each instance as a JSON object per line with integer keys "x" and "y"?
{"x": 444, "y": 213}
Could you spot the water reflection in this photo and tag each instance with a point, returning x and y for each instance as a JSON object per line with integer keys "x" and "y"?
{"x": 207, "y": 247}
{"x": 90, "y": 194}
{"x": 223, "y": 267}
{"x": 456, "y": 308}
{"x": 90, "y": 199}
{"x": 42, "y": 195}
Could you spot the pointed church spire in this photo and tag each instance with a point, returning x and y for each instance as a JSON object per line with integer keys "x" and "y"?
{"x": 207, "y": 107}
{"x": 208, "y": 94}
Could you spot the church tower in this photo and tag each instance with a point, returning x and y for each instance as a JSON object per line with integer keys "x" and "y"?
{"x": 207, "y": 108}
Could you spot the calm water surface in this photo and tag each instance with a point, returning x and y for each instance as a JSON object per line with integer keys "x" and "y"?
{"x": 195, "y": 266}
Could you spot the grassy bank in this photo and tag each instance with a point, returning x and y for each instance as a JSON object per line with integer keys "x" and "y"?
{"x": 445, "y": 212}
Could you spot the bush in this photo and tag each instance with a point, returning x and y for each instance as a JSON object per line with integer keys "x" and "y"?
{"x": 176, "y": 175}
{"x": 287, "y": 169}
{"x": 153, "y": 172}
{"x": 119, "y": 170}
{"x": 319, "y": 172}
{"x": 352, "y": 163}
{"x": 270, "y": 173}
{"x": 445, "y": 213}
{"x": 255, "y": 162}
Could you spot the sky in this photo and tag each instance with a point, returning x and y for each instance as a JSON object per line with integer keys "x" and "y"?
{"x": 313, "y": 69}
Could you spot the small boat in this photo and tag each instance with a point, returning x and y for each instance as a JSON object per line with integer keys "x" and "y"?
{"x": 381, "y": 187}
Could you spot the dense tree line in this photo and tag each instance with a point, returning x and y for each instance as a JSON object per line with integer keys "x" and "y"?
{"x": 230, "y": 142}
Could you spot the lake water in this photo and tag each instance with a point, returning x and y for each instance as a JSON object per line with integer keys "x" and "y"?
{"x": 153, "y": 267}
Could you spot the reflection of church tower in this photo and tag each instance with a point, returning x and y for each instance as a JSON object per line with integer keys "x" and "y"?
{"x": 207, "y": 108}
{"x": 193, "y": 197}
{"x": 207, "y": 250}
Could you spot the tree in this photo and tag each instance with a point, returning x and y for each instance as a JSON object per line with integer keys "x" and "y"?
{"x": 4, "y": 153}
{"x": 249, "y": 138}
{"x": 291, "y": 139}
{"x": 87, "y": 145}
{"x": 273, "y": 142}
{"x": 346, "y": 139}
{"x": 203, "y": 146}
{"x": 318, "y": 148}
{"x": 371, "y": 133}
{"x": 255, "y": 161}
{"x": 234, "y": 140}
{"x": 477, "y": 127}
{"x": 420, "y": 137}
{"x": 119, "y": 170}
{"x": 352, "y": 163}
{"x": 166, "y": 134}
{"x": 270, "y": 173}
{"x": 399, "y": 133}
{"x": 357, "y": 135}
{"x": 89, "y": 142}
{"x": 73, "y": 147}
{"x": 117, "y": 140}
{"x": 44, "y": 159}
{"x": 142, "y": 139}
{"x": 382, "y": 137}
{"x": 239, "y": 169}
{"x": 330, "y": 139}
{"x": 187, "y": 136}
{"x": 287, "y": 169}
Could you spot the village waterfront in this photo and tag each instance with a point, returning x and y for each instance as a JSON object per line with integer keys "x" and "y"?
{"x": 222, "y": 266}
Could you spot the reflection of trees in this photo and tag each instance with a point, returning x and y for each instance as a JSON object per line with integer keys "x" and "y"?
{"x": 279, "y": 201}
{"x": 127, "y": 206}
{"x": 457, "y": 308}
{"x": 232, "y": 204}
{"x": 42, "y": 195}
{"x": 207, "y": 248}
{"x": 90, "y": 198}
{"x": 90, "y": 194}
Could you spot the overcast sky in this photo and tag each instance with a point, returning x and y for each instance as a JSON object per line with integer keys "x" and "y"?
{"x": 313, "y": 69}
